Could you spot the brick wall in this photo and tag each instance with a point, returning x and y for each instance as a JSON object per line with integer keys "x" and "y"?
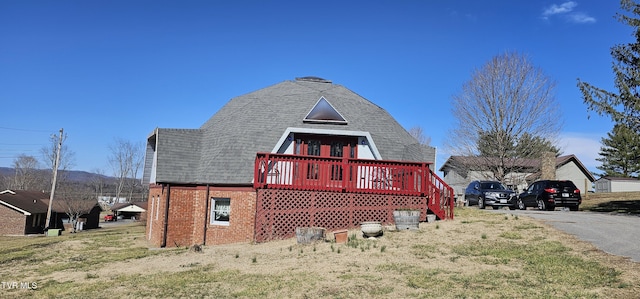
{"x": 241, "y": 220}
{"x": 278, "y": 214}
{"x": 11, "y": 221}
{"x": 188, "y": 210}
{"x": 155, "y": 220}
{"x": 182, "y": 214}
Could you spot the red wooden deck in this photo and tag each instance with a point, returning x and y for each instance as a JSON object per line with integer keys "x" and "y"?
{"x": 358, "y": 176}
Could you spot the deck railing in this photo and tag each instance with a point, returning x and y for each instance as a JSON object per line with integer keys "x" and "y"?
{"x": 295, "y": 172}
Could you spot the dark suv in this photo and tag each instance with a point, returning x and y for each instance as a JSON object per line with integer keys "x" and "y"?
{"x": 490, "y": 193}
{"x": 548, "y": 194}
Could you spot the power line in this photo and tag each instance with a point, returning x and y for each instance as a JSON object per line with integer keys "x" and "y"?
{"x": 26, "y": 130}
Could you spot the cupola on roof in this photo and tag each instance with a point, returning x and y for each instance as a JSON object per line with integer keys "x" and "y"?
{"x": 313, "y": 79}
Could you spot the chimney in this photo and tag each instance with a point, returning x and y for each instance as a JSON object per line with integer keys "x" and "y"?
{"x": 548, "y": 166}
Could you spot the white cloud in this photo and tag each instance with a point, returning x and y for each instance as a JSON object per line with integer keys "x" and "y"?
{"x": 565, "y": 10}
{"x": 581, "y": 18}
{"x": 559, "y": 9}
{"x": 585, "y": 146}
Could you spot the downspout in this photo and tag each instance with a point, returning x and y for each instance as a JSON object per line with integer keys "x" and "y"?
{"x": 206, "y": 217}
{"x": 166, "y": 217}
{"x": 255, "y": 215}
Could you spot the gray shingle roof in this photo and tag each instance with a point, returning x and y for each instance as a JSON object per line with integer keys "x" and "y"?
{"x": 223, "y": 149}
{"x": 464, "y": 163}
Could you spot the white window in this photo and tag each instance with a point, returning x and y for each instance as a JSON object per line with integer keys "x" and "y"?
{"x": 220, "y": 211}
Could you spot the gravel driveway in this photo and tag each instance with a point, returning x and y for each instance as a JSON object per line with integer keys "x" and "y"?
{"x": 612, "y": 233}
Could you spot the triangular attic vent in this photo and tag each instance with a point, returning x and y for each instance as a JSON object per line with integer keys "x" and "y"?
{"x": 323, "y": 112}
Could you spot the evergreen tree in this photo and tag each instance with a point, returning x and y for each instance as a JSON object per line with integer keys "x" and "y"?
{"x": 623, "y": 106}
{"x": 620, "y": 153}
{"x": 501, "y": 144}
{"x": 496, "y": 144}
{"x": 533, "y": 146}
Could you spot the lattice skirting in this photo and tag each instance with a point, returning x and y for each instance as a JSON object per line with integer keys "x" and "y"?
{"x": 279, "y": 212}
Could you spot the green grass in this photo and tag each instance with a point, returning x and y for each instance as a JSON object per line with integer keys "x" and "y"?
{"x": 479, "y": 255}
{"x": 543, "y": 262}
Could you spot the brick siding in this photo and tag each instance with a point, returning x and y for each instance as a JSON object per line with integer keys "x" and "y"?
{"x": 189, "y": 206}
{"x": 279, "y": 213}
{"x": 13, "y": 222}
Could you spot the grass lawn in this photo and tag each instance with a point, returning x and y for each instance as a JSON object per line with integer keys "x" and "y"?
{"x": 619, "y": 202}
{"x": 477, "y": 255}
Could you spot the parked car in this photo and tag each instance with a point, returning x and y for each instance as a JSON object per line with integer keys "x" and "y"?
{"x": 110, "y": 217}
{"x": 549, "y": 194}
{"x": 490, "y": 193}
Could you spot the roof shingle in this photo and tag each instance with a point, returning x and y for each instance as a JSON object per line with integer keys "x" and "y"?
{"x": 223, "y": 149}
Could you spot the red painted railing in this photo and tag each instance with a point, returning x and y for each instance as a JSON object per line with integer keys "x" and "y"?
{"x": 294, "y": 172}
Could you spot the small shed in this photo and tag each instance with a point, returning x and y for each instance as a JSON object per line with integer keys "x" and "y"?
{"x": 88, "y": 212}
{"x": 617, "y": 184}
{"x": 131, "y": 210}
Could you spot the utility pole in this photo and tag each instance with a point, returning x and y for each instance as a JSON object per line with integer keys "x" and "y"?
{"x": 53, "y": 183}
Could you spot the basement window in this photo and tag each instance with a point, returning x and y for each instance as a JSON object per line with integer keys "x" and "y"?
{"x": 220, "y": 211}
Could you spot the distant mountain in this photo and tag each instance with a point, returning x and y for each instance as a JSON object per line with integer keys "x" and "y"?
{"x": 72, "y": 175}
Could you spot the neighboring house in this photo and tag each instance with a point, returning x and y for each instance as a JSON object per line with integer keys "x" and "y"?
{"x": 303, "y": 153}
{"x": 459, "y": 171}
{"x": 131, "y": 210}
{"x": 25, "y": 212}
{"x": 617, "y": 184}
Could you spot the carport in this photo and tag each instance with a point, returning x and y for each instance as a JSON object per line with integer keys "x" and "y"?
{"x": 130, "y": 210}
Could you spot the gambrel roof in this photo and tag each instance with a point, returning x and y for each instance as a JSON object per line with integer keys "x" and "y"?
{"x": 223, "y": 149}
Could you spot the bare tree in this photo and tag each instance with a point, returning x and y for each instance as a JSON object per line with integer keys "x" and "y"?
{"x": 5, "y": 182}
{"x": 137, "y": 164}
{"x": 418, "y": 133}
{"x": 125, "y": 160}
{"x": 98, "y": 182}
{"x": 67, "y": 157}
{"x": 75, "y": 202}
{"x": 505, "y": 102}
{"x": 27, "y": 173}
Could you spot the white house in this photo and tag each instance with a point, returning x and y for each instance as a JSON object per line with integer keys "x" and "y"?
{"x": 459, "y": 171}
{"x": 617, "y": 184}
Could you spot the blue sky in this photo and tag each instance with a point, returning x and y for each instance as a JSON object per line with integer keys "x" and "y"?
{"x": 117, "y": 69}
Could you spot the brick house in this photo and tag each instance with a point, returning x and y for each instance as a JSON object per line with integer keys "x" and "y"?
{"x": 25, "y": 212}
{"x": 299, "y": 153}
{"x": 22, "y": 212}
